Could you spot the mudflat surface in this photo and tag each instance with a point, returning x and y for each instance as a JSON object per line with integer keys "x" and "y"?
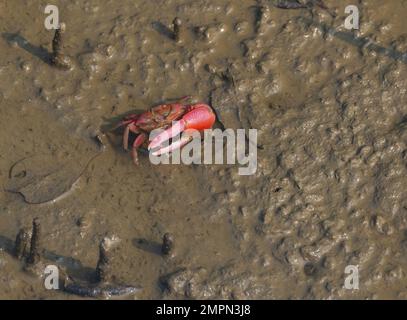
{"x": 330, "y": 107}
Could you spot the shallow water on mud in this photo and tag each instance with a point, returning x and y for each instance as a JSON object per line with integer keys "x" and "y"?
{"x": 330, "y": 107}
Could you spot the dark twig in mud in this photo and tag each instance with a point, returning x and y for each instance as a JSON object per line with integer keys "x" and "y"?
{"x": 103, "y": 272}
{"x": 22, "y": 244}
{"x": 178, "y": 29}
{"x": 34, "y": 264}
{"x": 290, "y": 5}
{"x": 97, "y": 291}
{"x": 35, "y": 249}
{"x": 99, "y": 141}
{"x": 286, "y": 4}
{"x": 59, "y": 60}
{"x": 168, "y": 245}
{"x": 104, "y": 287}
{"x": 263, "y": 14}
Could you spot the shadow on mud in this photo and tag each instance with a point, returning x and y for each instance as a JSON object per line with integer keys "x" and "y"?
{"x": 7, "y": 245}
{"x": 72, "y": 266}
{"x": 112, "y": 124}
{"x": 163, "y": 30}
{"x": 360, "y": 42}
{"x": 148, "y": 246}
{"x": 23, "y": 43}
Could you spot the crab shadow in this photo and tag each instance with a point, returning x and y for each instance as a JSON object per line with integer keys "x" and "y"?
{"x": 113, "y": 131}
{"x": 37, "y": 51}
{"x": 112, "y": 124}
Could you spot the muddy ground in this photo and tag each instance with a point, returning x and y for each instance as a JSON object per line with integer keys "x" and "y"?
{"x": 330, "y": 107}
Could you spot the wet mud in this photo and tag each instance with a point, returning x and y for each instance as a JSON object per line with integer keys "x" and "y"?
{"x": 330, "y": 188}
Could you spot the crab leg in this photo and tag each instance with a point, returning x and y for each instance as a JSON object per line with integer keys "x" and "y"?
{"x": 186, "y": 137}
{"x": 130, "y": 127}
{"x": 200, "y": 117}
{"x": 136, "y": 144}
{"x": 176, "y": 129}
{"x": 126, "y": 121}
{"x": 126, "y": 137}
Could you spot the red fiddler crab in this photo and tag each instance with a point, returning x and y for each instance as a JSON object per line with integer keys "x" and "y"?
{"x": 175, "y": 118}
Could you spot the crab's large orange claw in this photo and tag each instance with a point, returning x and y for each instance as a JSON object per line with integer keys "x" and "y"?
{"x": 199, "y": 117}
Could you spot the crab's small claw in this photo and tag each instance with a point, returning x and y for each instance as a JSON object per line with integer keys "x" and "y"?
{"x": 186, "y": 137}
{"x": 174, "y": 130}
{"x": 200, "y": 117}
